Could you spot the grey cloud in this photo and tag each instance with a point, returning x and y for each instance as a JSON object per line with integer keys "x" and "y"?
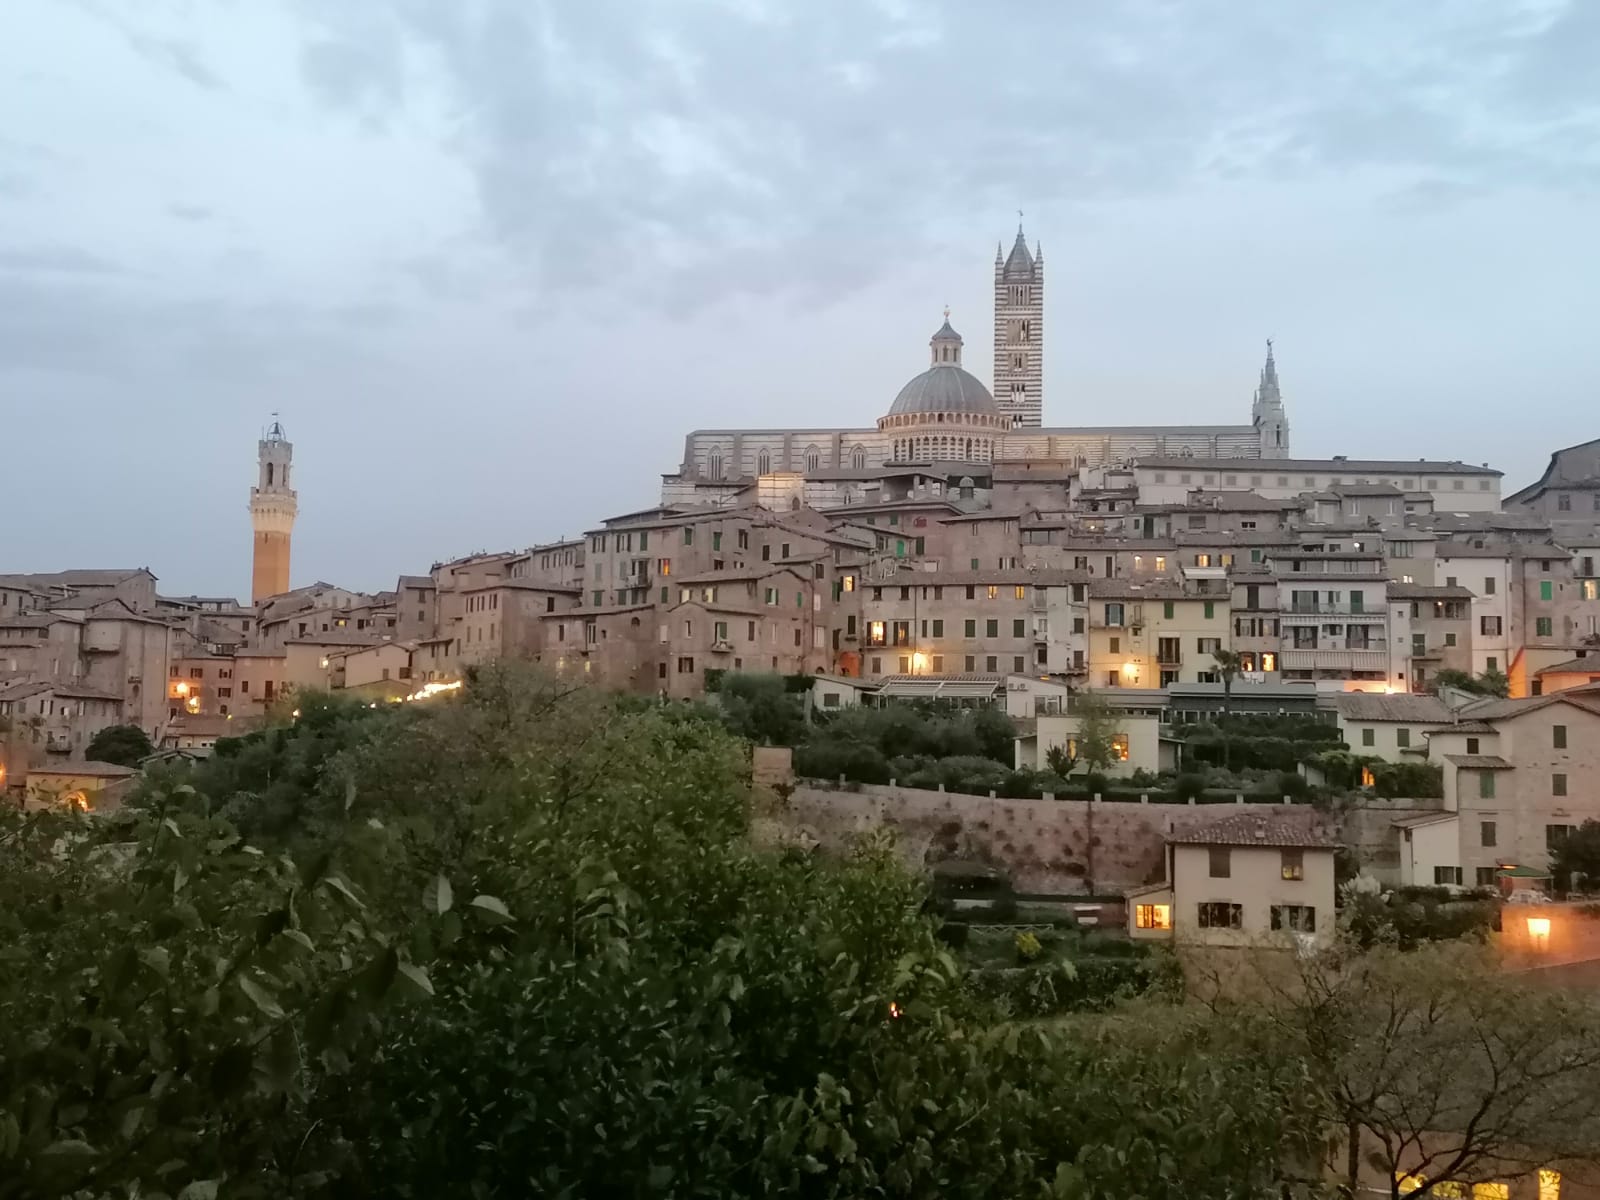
{"x": 55, "y": 260}
{"x": 715, "y": 147}
{"x": 177, "y": 56}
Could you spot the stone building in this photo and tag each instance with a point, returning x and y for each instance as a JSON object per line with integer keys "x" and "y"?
{"x": 1430, "y": 630}
{"x": 1514, "y": 779}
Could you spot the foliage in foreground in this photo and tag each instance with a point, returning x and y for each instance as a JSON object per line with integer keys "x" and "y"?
{"x": 519, "y": 943}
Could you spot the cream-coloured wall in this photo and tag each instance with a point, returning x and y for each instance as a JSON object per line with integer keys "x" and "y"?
{"x": 1256, "y": 882}
{"x": 375, "y": 664}
{"x": 1525, "y": 802}
{"x": 844, "y": 695}
{"x": 1143, "y": 734}
{"x": 1424, "y": 847}
{"x": 1386, "y": 739}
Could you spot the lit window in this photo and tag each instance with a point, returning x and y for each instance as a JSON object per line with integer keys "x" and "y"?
{"x": 1022, "y": 591}
{"x": 1161, "y": 562}
{"x": 994, "y": 591}
{"x": 1294, "y": 864}
{"x": 1119, "y": 747}
{"x": 849, "y": 583}
{"x": 1410, "y": 1183}
{"x": 1549, "y": 1184}
{"x": 1152, "y": 916}
{"x": 1491, "y": 1191}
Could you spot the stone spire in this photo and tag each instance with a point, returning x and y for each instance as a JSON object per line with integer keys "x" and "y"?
{"x": 1267, "y": 412}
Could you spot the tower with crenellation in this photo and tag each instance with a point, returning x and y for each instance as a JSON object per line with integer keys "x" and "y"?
{"x": 273, "y": 508}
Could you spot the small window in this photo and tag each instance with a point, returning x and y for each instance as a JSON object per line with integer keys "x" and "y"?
{"x": 1402, "y": 737}
{"x": 1446, "y": 875}
{"x": 1558, "y": 784}
{"x": 1559, "y": 732}
{"x": 1487, "y": 833}
{"x": 1369, "y": 737}
{"x": 1221, "y": 862}
{"x": 1472, "y": 745}
{"x": 1485, "y": 785}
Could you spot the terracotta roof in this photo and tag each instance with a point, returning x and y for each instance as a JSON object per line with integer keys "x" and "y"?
{"x": 742, "y": 575}
{"x": 1379, "y": 706}
{"x": 1151, "y": 589}
{"x": 1420, "y": 591}
{"x": 1259, "y": 829}
{"x": 1478, "y": 762}
{"x": 1463, "y": 727}
{"x": 1427, "y": 818}
{"x": 1589, "y": 662}
{"x": 101, "y": 770}
{"x": 1329, "y": 466}
{"x": 1009, "y": 577}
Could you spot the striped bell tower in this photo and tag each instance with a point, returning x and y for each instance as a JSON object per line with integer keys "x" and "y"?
{"x": 1019, "y": 333}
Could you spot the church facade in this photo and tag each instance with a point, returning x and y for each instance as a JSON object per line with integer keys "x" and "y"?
{"x": 945, "y": 419}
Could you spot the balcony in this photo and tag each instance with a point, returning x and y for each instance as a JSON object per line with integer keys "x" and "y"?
{"x": 722, "y": 646}
{"x": 1174, "y": 659}
{"x": 1300, "y": 608}
{"x": 1333, "y": 660}
{"x": 1041, "y": 636}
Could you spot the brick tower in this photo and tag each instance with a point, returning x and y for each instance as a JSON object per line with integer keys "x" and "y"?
{"x": 272, "y": 513}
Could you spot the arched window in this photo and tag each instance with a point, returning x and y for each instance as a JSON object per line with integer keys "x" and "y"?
{"x": 269, "y": 474}
{"x": 764, "y": 463}
{"x": 716, "y": 464}
{"x": 858, "y": 457}
{"x": 813, "y": 458}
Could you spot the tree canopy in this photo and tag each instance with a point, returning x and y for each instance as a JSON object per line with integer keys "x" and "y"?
{"x": 124, "y": 745}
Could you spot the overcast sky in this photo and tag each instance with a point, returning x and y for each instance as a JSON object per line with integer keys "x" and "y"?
{"x": 491, "y": 259}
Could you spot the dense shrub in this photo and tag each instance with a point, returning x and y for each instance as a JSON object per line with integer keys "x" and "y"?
{"x": 831, "y": 759}
{"x": 1083, "y": 985}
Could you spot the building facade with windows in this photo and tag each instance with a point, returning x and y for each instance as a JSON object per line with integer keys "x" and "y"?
{"x": 1257, "y": 879}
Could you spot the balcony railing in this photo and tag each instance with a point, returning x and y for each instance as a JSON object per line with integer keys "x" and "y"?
{"x": 1300, "y": 607}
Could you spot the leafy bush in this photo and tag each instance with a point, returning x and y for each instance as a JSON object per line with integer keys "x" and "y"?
{"x": 1189, "y": 786}
{"x": 1027, "y": 946}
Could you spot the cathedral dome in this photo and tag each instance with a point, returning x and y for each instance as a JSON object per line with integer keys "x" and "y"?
{"x": 944, "y": 388}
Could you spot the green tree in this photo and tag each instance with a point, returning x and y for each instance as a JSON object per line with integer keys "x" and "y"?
{"x": 1576, "y": 861}
{"x": 124, "y": 745}
{"x": 761, "y": 709}
{"x": 1098, "y": 730}
{"x": 1229, "y": 664}
{"x": 1436, "y": 1063}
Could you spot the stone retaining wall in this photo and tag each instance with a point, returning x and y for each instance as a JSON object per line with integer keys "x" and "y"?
{"x": 1047, "y": 845}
